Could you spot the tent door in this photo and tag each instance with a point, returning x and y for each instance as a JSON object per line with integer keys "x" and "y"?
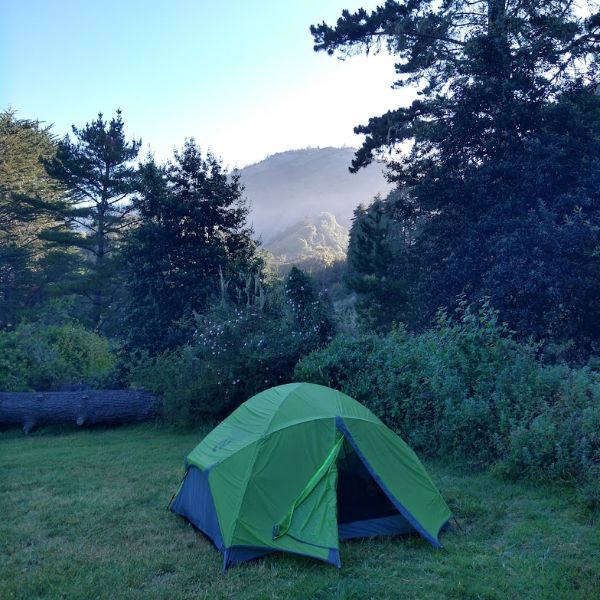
{"x": 363, "y": 507}
{"x": 312, "y": 517}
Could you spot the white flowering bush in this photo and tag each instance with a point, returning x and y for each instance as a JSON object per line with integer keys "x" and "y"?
{"x": 236, "y": 351}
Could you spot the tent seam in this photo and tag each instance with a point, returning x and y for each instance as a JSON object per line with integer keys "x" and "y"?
{"x": 265, "y": 436}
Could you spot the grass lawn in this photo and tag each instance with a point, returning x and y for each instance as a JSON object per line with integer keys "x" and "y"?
{"x": 83, "y": 515}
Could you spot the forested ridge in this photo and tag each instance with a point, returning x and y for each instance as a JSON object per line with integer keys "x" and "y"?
{"x": 467, "y": 314}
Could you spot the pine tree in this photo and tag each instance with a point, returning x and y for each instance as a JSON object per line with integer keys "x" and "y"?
{"x": 96, "y": 170}
{"x": 30, "y": 207}
{"x": 503, "y": 170}
{"x": 378, "y": 265}
{"x": 192, "y": 234}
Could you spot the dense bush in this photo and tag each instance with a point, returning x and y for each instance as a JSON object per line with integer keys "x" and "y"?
{"x": 561, "y": 440}
{"x": 234, "y": 352}
{"x": 234, "y": 355}
{"x": 51, "y": 357}
{"x": 467, "y": 389}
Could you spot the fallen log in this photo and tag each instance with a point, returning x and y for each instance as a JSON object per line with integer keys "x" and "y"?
{"x": 86, "y": 407}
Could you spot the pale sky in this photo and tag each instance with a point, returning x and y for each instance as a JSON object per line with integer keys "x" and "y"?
{"x": 239, "y": 76}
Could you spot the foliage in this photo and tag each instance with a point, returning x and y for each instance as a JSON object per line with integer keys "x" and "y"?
{"x": 236, "y": 351}
{"x": 43, "y": 357}
{"x": 562, "y": 440}
{"x": 316, "y": 242}
{"x": 235, "y": 354}
{"x": 531, "y": 246}
{"x": 96, "y": 170}
{"x": 379, "y": 265}
{"x": 312, "y": 311}
{"x": 502, "y": 175}
{"x": 484, "y": 66}
{"x": 191, "y": 234}
{"x": 468, "y": 389}
{"x": 28, "y": 200}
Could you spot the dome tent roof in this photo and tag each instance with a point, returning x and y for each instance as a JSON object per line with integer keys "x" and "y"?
{"x": 266, "y": 478}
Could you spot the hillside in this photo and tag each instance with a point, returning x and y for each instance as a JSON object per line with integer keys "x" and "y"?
{"x": 319, "y": 239}
{"x": 290, "y": 187}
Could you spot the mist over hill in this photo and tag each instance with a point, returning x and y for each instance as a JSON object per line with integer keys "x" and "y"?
{"x": 314, "y": 240}
{"x": 289, "y": 189}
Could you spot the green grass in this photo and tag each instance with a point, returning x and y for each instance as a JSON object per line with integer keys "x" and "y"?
{"x": 83, "y": 515}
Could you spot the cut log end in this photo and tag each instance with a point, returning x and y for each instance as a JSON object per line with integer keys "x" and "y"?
{"x": 28, "y": 426}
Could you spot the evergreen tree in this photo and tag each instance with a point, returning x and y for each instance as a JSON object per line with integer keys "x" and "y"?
{"x": 486, "y": 68}
{"x": 192, "y": 234}
{"x": 503, "y": 171}
{"x": 30, "y": 207}
{"x": 97, "y": 172}
{"x": 379, "y": 265}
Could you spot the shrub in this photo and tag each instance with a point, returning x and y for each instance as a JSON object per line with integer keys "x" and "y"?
{"x": 562, "y": 440}
{"x": 13, "y": 365}
{"x": 232, "y": 357}
{"x": 235, "y": 352}
{"x": 467, "y": 389}
{"x": 52, "y": 357}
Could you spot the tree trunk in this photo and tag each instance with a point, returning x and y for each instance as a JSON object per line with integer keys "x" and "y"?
{"x": 88, "y": 407}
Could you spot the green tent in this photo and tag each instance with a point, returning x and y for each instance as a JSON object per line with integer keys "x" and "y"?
{"x": 297, "y": 468}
